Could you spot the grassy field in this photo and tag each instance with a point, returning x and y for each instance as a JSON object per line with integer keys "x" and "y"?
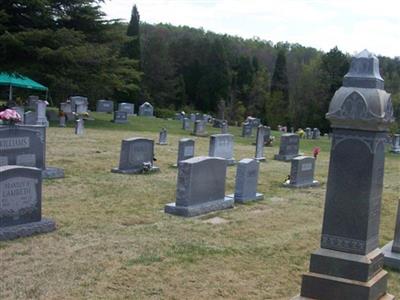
{"x": 114, "y": 242}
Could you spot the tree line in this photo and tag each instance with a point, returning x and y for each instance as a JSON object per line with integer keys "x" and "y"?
{"x": 71, "y": 48}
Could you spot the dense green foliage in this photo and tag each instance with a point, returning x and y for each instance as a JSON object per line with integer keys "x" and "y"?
{"x": 69, "y": 47}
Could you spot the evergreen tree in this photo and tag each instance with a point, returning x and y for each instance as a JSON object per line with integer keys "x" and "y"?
{"x": 279, "y": 106}
{"x": 133, "y": 46}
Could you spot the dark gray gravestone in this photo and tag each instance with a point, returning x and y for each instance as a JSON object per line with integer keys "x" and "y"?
{"x": 247, "y": 129}
{"x": 162, "y": 139}
{"x": 26, "y": 146}
{"x": 289, "y": 147}
{"x": 186, "y": 124}
{"x": 199, "y": 128}
{"x": 79, "y": 126}
{"x": 349, "y": 263}
{"x": 185, "y": 150}
{"x": 104, "y": 106}
{"x": 201, "y": 187}
{"x": 260, "y": 143}
{"x": 221, "y": 145}
{"x": 316, "y": 134}
{"x": 137, "y": 155}
{"x": 246, "y": 181}
{"x": 392, "y": 249}
{"x": 128, "y": 107}
{"x": 146, "y": 110}
{"x": 120, "y": 117}
{"x": 302, "y": 172}
{"x": 396, "y": 143}
{"x": 21, "y": 203}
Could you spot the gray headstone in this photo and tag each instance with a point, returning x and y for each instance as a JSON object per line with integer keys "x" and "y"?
{"x": 66, "y": 107}
{"x": 224, "y": 127}
{"x": 302, "y": 172}
{"x": 62, "y": 121}
{"x": 30, "y": 118}
{"x": 192, "y": 117}
{"x": 316, "y": 134}
{"x": 163, "y": 137}
{"x": 81, "y": 108}
{"x": 52, "y": 115}
{"x": 396, "y": 143}
{"x": 267, "y": 136}
{"x": 349, "y": 263}
{"x": 146, "y": 110}
{"x": 128, "y": 107}
{"x": 246, "y": 181}
{"x": 201, "y": 187}
{"x": 120, "y": 117}
{"x": 260, "y": 143}
{"x": 221, "y": 145}
{"x": 80, "y": 101}
{"x": 137, "y": 155}
{"x": 80, "y": 126}
{"x": 41, "y": 118}
{"x": 289, "y": 147}
{"x": 21, "y": 203}
{"x": 186, "y": 124}
{"x": 185, "y": 150}
{"x": 308, "y": 133}
{"x": 105, "y": 106}
{"x": 392, "y": 249}
{"x": 32, "y": 101}
{"x": 247, "y": 129}
{"x": 199, "y": 128}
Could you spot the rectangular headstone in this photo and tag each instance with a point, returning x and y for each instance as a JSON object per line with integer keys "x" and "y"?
{"x": 120, "y": 117}
{"x": 396, "y": 143}
{"x": 201, "y": 187}
{"x": 146, "y": 110}
{"x": 21, "y": 203}
{"x": 302, "y": 172}
{"x": 136, "y": 156}
{"x": 128, "y": 107}
{"x": 199, "y": 128}
{"x": 106, "y": 106}
{"x": 247, "y": 129}
{"x": 79, "y": 126}
{"x": 221, "y": 145}
{"x": 289, "y": 147}
{"x": 260, "y": 143}
{"x": 185, "y": 150}
{"x": 186, "y": 124}
{"x": 163, "y": 137}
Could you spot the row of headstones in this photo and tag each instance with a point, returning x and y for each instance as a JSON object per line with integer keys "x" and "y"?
{"x": 107, "y": 106}
{"x": 312, "y": 133}
{"x": 193, "y": 117}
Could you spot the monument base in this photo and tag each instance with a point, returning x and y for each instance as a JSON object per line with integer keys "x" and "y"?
{"x": 392, "y": 259}
{"x": 53, "y": 173}
{"x": 28, "y": 229}
{"x": 259, "y": 158}
{"x": 200, "y": 209}
{"x": 258, "y": 197}
{"x": 285, "y": 157}
{"x": 135, "y": 171}
{"x": 301, "y": 185}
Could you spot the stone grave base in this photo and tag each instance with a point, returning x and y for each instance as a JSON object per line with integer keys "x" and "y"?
{"x": 392, "y": 259}
{"x": 258, "y": 197}
{"x": 285, "y": 157}
{"x": 134, "y": 171}
{"x": 301, "y": 185}
{"x": 397, "y": 151}
{"x": 53, "y": 173}
{"x": 259, "y": 158}
{"x": 162, "y": 144}
{"x": 200, "y": 209}
{"x": 28, "y": 229}
{"x": 231, "y": 162}
{"x": 384, "y": 297}
{"x": 199, "y": 134}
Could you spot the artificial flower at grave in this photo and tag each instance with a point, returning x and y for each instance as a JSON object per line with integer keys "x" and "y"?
{"x": 9, "y": 117}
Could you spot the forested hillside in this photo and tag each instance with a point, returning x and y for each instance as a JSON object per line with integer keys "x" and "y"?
{"x": 72, "y": 49}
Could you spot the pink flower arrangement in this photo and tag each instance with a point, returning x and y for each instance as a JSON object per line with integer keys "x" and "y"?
{"x": 10, "y": 115}
{"x": 316, "y": 151}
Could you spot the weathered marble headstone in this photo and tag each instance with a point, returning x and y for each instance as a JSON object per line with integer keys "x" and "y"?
{"x": 105, "y": 106}
{"x": 41, "y": 118}
{"x": 162, "y": 140}
{"x": 79, "y": 104}
{"x": 396, "y": 143}
{"x": 289, "y": 147}
{"x": 199, "y": 128}
{"x": 267, "y": 136}
{"x": 200, "y": 187}
{"x": 316, "y": 134}
{"x": 62, "y": 121}
{"x": 224, "y": 127}
{"x": 66, "y": 107}
{"x": 302, "y": 172}
{"x": 79, "y": 126}
{"x": 186, "y": 124}
{"x": 260, "y": 143}
{"x": 21, "y": 203}
{"x": 185, "y": 150}
{"x": 349, "y": 263}
{"x": 221, "y": 145}
{"x": 146, "y": 110}
{"x": 246, "y": 181}
{"x": 120, "y": 117}
{"x": 392, "y": 249}
{"x": 128, "y": 107}
{"x": 25, "y": 145}
{"x": 308, "y": 133}
{"x": 247, "y": 129}
{"x": 137, "y": 155}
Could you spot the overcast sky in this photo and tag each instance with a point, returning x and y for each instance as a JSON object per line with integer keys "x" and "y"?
{"x": 352, "y": 25}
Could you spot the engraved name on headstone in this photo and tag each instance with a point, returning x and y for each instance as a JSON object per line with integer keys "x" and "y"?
{"x": 105, "y": 106}
{"x": 302, "y": 172}
{"x": 120, "y": 117}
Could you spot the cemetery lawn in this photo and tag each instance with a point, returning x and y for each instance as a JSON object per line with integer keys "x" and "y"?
{"x": 114, "y": 241}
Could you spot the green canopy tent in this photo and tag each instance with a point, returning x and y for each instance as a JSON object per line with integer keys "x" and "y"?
{"x": 17, "y": 80}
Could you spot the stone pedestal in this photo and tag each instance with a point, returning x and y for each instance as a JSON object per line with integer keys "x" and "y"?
{"x": 349, "y": 263}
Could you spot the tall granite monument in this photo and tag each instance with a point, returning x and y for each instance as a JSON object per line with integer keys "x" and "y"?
{"x": 349, "y": 263}
{"x": 392, "y": 249}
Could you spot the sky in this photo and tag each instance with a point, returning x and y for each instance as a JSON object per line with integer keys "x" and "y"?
{"x": 352, "y": 25}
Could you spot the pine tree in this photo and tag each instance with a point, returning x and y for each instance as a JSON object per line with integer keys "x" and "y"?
{"x": 133, "y": 46}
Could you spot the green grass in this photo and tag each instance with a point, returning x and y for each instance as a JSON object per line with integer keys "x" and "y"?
{"x": 114, "y": 242}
